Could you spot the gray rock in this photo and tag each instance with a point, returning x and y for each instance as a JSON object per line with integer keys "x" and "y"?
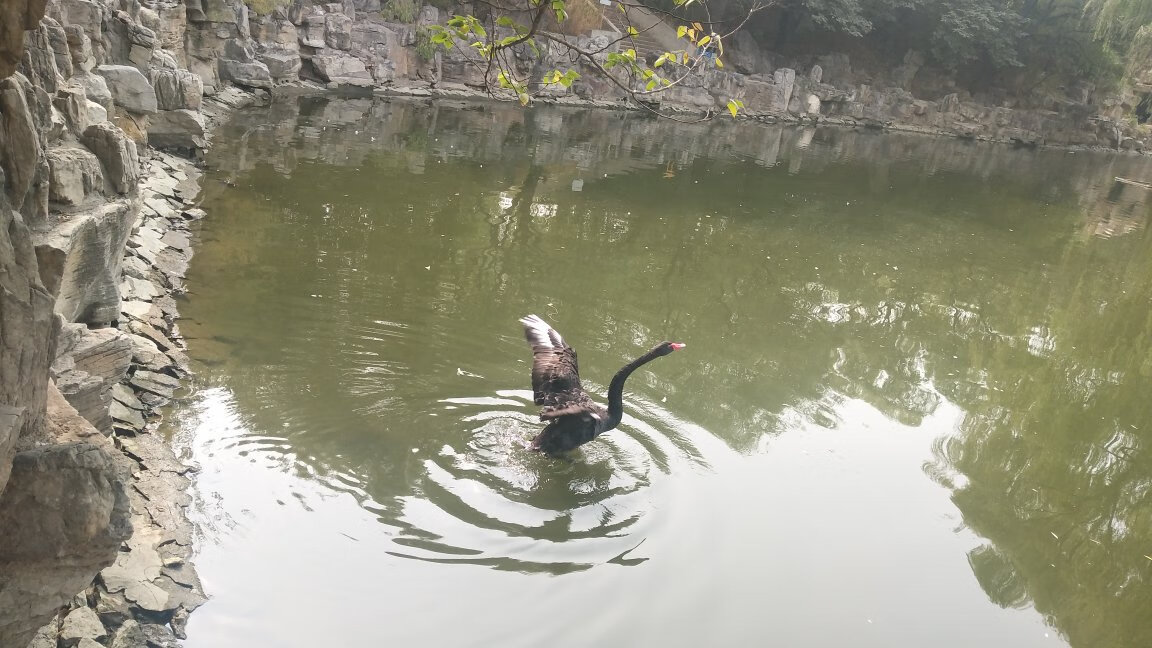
{"x": 124, "y": 395}
{"x": 116, "y": 152}
{"x": 87, "y": 642}
{"x": 158, "y": 636}
{"x": 179, "y": 129}
{"x": 22, "y": 149}
{"x": 177, "y": 240}
{"x": 177, "y": 89}
{"x": 251, "y": 74}
{"x": 179, "y": 623}
{"x": 281, "y": 63}
{"x": 113, "y": 609}
{"x": 312, "y": 30}
{"x": 157, "y": 378}
{"x": 80, "y": 46}
{"x": 96, "y": 88}
{"x": 129, "y": 88}
{"x": 85, "y": 254}
{"x": 141, "y": 289}
{"x": 338, "y": 31}
{"x": 129, "y": 636}
{"x": 46, "y": 637}
{"x": 95, "y": 362}
{"x": 812, "y": 105}
{"x": 96, "y": 113}
{"x": 783, "y": 80}
{"x": 64, "y": 514}
{"x": 139, "y": 310}
{"x": 340, "y": 68}
{"x": 72, "y": 103}
{"x": 75, "y": 174}
{"x": 134, "y": 266}
{"x": 126, "y": 415}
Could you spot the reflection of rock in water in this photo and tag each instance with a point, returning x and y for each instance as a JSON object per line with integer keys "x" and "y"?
{"x": 416, "y": 135}
{"x": 1122, "y": 210}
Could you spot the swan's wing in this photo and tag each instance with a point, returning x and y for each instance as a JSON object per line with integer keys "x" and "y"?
{"x": 555, "y": 373}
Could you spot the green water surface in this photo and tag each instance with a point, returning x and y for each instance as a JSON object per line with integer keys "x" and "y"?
{"x": 914, "y": 408}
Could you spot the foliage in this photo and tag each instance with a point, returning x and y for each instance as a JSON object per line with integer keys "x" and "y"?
{"x": 401, "y": 11}
{"x": 1116, "y": 22}
{"x": 498, "y": 44}
{"x": 970, "y": 29}
{"x": 425, "y": 48}
{"x": 266, "y": 7}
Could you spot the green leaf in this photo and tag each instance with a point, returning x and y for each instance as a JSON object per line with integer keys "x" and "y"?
{"x": 502, "y": 79}
{"x": 719, "y": 63}
{"x": 651, "y": 84}
{"x": 632, "y": 31}
{"x": 524, "y": 98}
{"x": 660, "y": 61}
{"x": 703, "y": 41}
{"x": 733, "y": 107}
{"x": 680, "y": 31}
{"x": 630, "y": 54}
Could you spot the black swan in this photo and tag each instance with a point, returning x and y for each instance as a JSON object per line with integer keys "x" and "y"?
{"x": 573, "y": 419}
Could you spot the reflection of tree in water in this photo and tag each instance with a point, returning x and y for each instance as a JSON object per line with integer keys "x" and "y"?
{"x": 1056, "y": 462}
{"x": 937, "y": 276}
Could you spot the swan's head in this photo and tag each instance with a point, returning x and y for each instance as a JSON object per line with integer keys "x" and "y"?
{"x": 668, "y": 347}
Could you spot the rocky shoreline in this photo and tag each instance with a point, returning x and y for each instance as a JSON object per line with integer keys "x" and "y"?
{"x": 144, "y": 597}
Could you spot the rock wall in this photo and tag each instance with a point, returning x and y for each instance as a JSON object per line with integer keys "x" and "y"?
{"x": 92, "y": 242}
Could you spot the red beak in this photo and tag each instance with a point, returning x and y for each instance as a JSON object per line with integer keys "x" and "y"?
{"x": 678, "y": 345}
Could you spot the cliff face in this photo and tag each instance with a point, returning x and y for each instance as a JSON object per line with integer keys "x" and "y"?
{"x": 79, "y": 82}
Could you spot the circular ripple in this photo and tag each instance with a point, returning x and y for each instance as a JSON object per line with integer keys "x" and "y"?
{"x": 493, "y": 502}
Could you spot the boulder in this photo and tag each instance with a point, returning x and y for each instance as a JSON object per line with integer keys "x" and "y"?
{"x": 177, "y": 89}
{"x": 312, "y": 29}
{"x": 72, "y": 103}
{"x": 783, "y": 81}
{"x": 96, "y": 113}
{"x": 21, "y": 153}
{"x": 281, "y": 63}
{"x": 129, "y": 88}
{"x": 81, "y": 623}
{"x": 63, "y": 516}
{"x": 341, "y": 68}
{"x": 129, "y": 635}
{"x": 85, "y": 253}
{"x": 96, "y": 89}
{"x": 178, "y": 129}
{"x": 338, "y": 31}
{"x": 116, "y": 152}
{"x": 75, "y": 174}
{"x": 80, "y": 46}
{"x": 252, "y": 74}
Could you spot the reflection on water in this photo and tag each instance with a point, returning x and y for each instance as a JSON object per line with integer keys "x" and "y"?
{"x": 912, "y": 410}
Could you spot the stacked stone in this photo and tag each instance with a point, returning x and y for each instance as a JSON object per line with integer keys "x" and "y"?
{"x": 118, "y": 379}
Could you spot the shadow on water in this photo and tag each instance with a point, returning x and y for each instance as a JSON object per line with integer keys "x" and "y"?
{"x": 366, "y": 262}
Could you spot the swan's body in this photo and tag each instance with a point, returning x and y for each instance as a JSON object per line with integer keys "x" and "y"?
{"x": 573, "y": 418}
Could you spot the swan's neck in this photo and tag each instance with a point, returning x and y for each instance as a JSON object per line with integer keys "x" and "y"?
{"x": 616, "y": 388}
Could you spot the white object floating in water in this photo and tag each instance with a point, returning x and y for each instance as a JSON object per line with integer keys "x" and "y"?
{"x": 427, "y": 267}
{"x": 461, "y": 372}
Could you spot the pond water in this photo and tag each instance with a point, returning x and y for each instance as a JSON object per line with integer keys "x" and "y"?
{"x": 913, "y": 409}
